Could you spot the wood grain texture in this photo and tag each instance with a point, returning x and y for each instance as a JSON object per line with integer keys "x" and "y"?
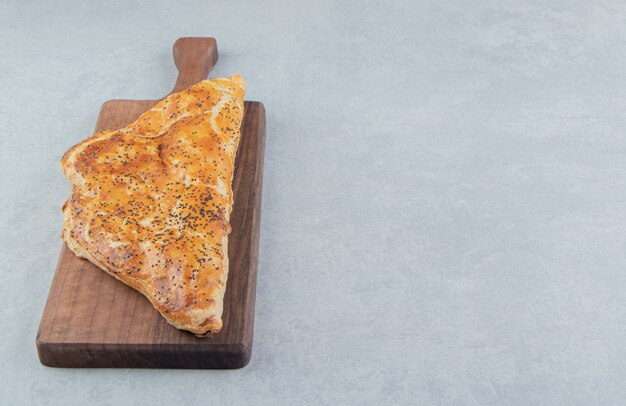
{"x": 93, "y": 320}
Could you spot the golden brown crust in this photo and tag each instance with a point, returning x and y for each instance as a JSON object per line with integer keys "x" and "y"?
{"x": 151, "y": 202}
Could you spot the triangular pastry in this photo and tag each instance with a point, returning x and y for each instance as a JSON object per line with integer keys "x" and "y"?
{"x": 150, "y": 202}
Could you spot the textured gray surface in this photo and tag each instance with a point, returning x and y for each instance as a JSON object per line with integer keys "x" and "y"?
{"x": 443, "y": 212}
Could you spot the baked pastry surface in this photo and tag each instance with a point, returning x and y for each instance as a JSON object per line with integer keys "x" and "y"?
{"x": 151, "y": 202}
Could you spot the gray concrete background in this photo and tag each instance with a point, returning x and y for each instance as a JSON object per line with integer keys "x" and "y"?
{"x": 444, "y": 202}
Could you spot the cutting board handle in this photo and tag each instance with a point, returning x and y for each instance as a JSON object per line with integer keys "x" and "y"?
{"x": 194, "y": 58}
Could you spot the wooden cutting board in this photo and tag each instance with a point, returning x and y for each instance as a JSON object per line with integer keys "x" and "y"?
{"x": 93, "y": 320}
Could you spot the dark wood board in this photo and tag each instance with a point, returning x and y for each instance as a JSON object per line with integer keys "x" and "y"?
{"x": 93, "y": 320}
